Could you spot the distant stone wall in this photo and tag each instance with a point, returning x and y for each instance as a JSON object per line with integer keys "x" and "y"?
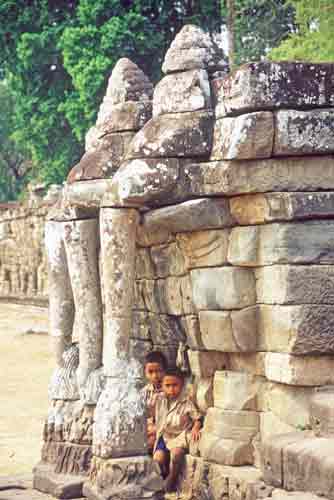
{"x": 23, "y": 266}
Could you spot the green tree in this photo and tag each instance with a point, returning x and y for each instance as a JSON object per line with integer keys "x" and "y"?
{"x": 313, "y": 39}
{"x": 14, "y": 167}
{"x": 258, "y": 26}
{"x": 58, "y": 54}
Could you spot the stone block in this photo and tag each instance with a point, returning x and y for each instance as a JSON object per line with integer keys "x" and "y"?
{"x": 128, "y": 82}
{"x": 192, "y": 48}
{"x": 272, "y": 425}
{"x": 174, "y": 135}
{"x": 269, "y": 85}
{"x": 104, "y": 156}
{"x": 223, "y": 288}
{"x": 85, "y": 194}
{"x": 271, "y": 207}
{"x": 228, "y": 384}
{"x": 142, "y": 181}
{"x": 272, "y": 455}
{"x": 144, "y": 264}
{"x": 57, "y": 485}
{"x": 167, "y": 260}
{"x": 192, "y": 215}
{"x": 289, "y": 403}
{"x": 229, "y": 178}
{"x": 191, "y": 327}
{"x": 282, "y": 243}
{"x": 322, "y": 412}
{"x": 295, "y": 284}
{"x": 203, "y": 392}
{"x": 182, "y": 92}
{"x": 129, "y": 115}
{"x": 293, "y": 495}
{"x": 147, "y": 238}
{"x": 304, "y": 132}
{"x": 308, "y": 466}
{"x": 245, "y": 328}
{"x": 253, "y": 363}
{"x": 204, "y": 248}
{"x": 232, "y": 424}
{"x": 299, "y": 370}
{"x": 296, "y": 329}
{"x": 161, "y": 329}
{"x": 172, "y": 295}
{"x": 216, "y": 331}
{"x": 248, "y": 136}
{"x": 225, "y": 451}
{"x": 204, "y": 363}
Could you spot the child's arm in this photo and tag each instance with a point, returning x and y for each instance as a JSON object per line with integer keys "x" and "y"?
{"x": 195, "y": 431}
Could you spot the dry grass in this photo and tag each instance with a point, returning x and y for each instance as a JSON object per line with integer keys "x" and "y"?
{"x": 26, "y": 364}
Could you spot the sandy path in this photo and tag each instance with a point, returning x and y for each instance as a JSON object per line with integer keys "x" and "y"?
{"x": 25, "y": 367}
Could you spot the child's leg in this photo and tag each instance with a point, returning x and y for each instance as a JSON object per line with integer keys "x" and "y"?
{"x": 162, "y": 458}
{"x": 176, "y": 460}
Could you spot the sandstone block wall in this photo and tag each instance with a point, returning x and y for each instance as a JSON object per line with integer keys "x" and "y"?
{"x": 23, "y": 265}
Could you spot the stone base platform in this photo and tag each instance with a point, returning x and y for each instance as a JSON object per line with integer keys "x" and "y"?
{"x": 58, "y": 485}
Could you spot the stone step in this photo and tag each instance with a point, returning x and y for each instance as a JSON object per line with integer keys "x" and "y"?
{"x": 300, "y": 462}
{"x": 57, "y": 485}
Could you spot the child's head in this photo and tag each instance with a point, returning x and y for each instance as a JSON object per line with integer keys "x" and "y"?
{"x": 172, "y": 383}
{"x": 155, "y": 367}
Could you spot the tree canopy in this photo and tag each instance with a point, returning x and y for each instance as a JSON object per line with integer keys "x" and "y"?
{"x": 313, "y": 40}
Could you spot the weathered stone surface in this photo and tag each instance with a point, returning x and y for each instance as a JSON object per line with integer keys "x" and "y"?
{"x": 253, "y": 363}
{"x": 192, "y": 48}
{"x": 192, "y": 215}
{"x": 282, "y": 243}
{"x": 133, "y": 477}
{"x": 322, "y": 412}
{"x": 129, "y": 115}
{"x": 232, "y": 424}
{"x": 147, "y": 238}
{"x": 222, "y": 288}
{"x": 160, "y": 329}
{"x": 203, "y": 392}
{"x": 57, "y": 485}
{"x": 228, "y": 178}
{"x": 82, "y": 247}
{"x": 204, "y": 248}
{"x": 174, "y": 135}
{"x": 192, "y": 329}
{"x": 142, "y": 181}
{"x": 293, "y": 495}
{"x": 182, "y": 92}
{"x": 103, "y": 158}
{"x": 295, "y": 284}
{"x": 304, "y": 132}
{"x": 138, "y": 349}
{"x": 271, "y": 425}
{"x": 247, "y": 136}
{"x": 308, "y": 466}
{"x": 229, "y": 331}
{"x": 204, "y": 364}
{"x": 167, "y": 260}
{"x": 299, "y": 370}
{"x": 225, "y": 451}
{"x": 290, "y": 404}
{"x": 270, "y": 207}
{"x": 87, "y": 194}
{"x": 272, "y": 464}
{"x": 128, "y": 83}
{"x": 67, "y": 458}
{"x": 166, "y": 296}
{"x": 61, "y": 295}
{"x": 236, "y": 391}
{"x": 144, "y": 264}
{"x": 269, "y": 85}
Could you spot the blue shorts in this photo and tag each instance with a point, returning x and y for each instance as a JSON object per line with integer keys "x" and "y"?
{"x": 161, "y": 445}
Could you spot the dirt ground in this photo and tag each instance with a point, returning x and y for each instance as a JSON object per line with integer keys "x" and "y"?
{"x": 26, "y": 364}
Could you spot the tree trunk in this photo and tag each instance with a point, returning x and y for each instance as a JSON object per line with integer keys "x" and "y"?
{"x": 230, "y": 31}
